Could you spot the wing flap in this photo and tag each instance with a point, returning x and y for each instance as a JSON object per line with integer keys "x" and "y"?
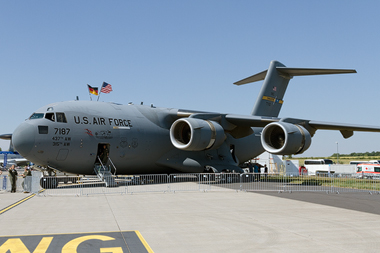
{"x": 346, "y": 134}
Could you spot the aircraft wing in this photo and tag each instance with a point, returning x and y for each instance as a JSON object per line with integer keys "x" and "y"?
{"x": 342, "y": 126}
{"x": 241, "y": 122}
{"x": 311, "y": 125}
{"x": 346, "y": 129}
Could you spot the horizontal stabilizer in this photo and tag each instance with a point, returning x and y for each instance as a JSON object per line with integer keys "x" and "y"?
{"x": 257, "y": 77}
{"x": 308, "y": 71}
{"x": 290, "y": 72}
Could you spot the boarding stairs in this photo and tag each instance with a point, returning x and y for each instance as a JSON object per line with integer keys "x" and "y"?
{"x": 104, "y": 173}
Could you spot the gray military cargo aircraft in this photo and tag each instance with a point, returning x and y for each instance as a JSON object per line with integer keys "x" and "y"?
{"x": 71, "y": 136}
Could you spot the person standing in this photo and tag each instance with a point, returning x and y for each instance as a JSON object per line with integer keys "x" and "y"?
{"x": 250, "y": 167}
{"x": 259, "y": 172}
{"x": 256, "y": 171}
{"x": 27, "y": 178}
{"x": 103, "y": 154}
{"x": 12, "y": 173}
{"x": 265, "y": 171}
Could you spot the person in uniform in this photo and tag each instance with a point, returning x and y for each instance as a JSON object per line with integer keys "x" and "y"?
{"x": 104, "y": 152}
{"x": 26, "y": 183}
{"x": 12, "y": 173}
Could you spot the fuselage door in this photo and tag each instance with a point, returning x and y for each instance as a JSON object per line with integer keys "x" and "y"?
{"x": 102, "y": 154}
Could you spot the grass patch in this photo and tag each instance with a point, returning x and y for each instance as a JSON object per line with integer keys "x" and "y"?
{"x": 350, "y": 183}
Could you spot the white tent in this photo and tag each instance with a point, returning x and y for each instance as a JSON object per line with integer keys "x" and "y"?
{"x": 277, "y": 165}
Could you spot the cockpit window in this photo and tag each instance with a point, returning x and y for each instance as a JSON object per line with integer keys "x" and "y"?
{"x": 61, "y": 117}
{"x": 37, "y": 116}
{"x": 50, "y": 116}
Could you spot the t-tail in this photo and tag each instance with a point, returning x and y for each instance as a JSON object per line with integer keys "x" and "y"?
{"x": 276, "y": 79}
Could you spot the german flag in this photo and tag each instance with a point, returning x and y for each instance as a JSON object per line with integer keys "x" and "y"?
{"x": 93, "y": 90}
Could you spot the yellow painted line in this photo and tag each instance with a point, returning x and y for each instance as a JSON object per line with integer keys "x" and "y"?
{"x": 17, "y": 203}
{"x": 146, "y": 245}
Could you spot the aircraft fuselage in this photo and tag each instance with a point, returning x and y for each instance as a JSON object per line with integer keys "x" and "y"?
{"x": 70, "y": 136}
{"x": 67, "y": 135}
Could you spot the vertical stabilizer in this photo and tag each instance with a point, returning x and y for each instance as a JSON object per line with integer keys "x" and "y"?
{"x": 271, "y": 95}
{"x": 276, "y": 80}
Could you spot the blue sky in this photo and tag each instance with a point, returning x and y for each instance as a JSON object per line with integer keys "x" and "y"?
{"x": 187, "y": 54}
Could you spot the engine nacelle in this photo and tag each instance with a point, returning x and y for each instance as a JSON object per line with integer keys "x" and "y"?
{"x": 196, "y": 134}
{"x": 283, "y": 138}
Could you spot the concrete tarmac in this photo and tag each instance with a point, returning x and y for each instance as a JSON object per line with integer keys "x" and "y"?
{"x": 227, "y": 221}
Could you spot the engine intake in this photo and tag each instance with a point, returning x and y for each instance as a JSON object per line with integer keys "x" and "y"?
{"x": 283, "y": 138}
{"x": 196, "y": 134}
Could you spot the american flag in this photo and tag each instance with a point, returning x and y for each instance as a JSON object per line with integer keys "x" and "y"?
{"x": 106, "y": 88}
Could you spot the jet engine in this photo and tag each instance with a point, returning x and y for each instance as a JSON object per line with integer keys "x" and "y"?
{"x": 283, "y": 138}
{"x": 196, "y": 134}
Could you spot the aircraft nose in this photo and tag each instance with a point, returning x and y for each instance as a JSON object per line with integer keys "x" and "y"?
{"x": 23, "y": 138}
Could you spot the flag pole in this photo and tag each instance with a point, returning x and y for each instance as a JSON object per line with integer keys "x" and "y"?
{"x": 100, "y": 91}
{"x": 99, "y": 94}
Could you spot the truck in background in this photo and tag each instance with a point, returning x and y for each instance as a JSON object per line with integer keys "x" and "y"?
{"x": 368, "y": 170}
